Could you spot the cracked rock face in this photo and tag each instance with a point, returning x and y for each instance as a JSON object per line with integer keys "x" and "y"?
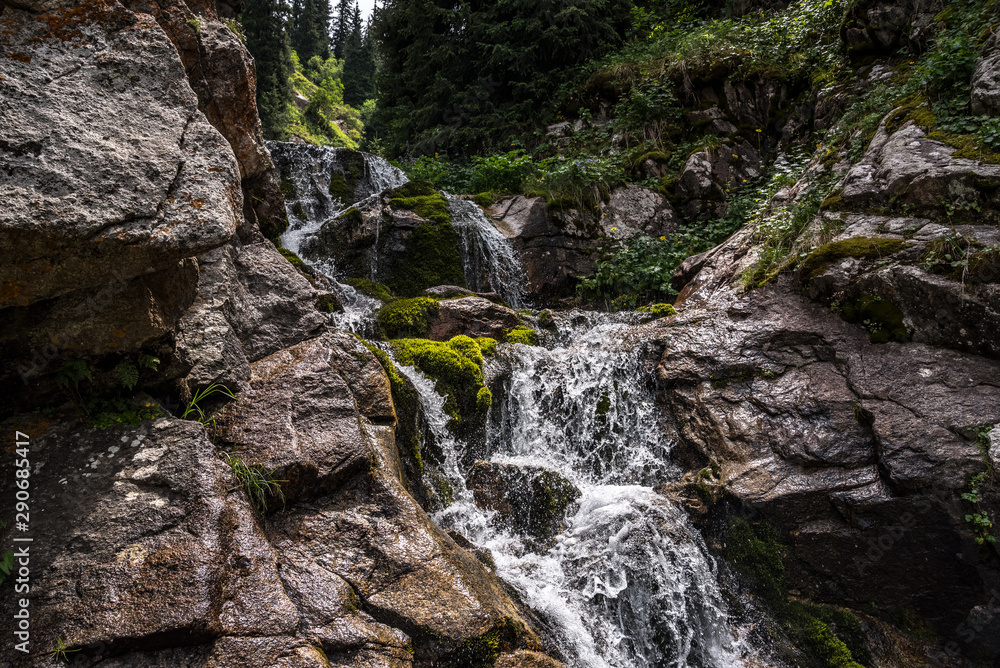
{"x": 856, "y": 443}
{"x": 162, "y": 561}
{"x": 112, "y": 170}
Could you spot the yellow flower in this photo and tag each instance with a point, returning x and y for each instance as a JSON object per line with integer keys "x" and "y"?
{"x": 614, "y": 229}
{"x": 435, "y": 156}
{"x": 759, "y": 130}
{"x": 663, "y": 238}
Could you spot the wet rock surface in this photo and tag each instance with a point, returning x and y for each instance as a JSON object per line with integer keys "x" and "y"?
{"x": 527, "y": 499}
{"x": 472, "y": 316}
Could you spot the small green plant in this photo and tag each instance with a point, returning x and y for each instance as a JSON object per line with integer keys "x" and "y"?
{"x": 128, "y": 371}
{"x": 194, "y": 407}
{"x": 237, "y": 29}
{"x": 979, "y": 518}
{"x": 259, "y": 483}
{"x": 195, "y": 23}
{"x": 61, "y": 651}
{"x": 71, "y": 374}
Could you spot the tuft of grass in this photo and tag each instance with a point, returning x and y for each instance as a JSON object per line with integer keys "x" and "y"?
{"x": 259, "y": 483}
{"x": 196, "y": 411}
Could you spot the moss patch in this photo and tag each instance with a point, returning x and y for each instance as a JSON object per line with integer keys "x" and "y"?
{"x": 830, "y": 637}
{"x": 882, "y": 318}
{"x": 483, "y": 651}
{"x": 456, "y": 367}
{"x": 292, "y": 257}
{"x": 406, "y": 318}
{"x": 370, "y": 288}
{"x": 486, "y": 199}
{"x": 860, "y": 247}
{"x": 487, "y": 346}
{"x": 407, "y": 405}
{"x": 658, "y": 310}
{"x": 430, "y": 256}
{"x": 524, "y": 335}
{"x": 343, "y": 184}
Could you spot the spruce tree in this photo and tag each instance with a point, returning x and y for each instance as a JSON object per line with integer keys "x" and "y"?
{"x": 464, "y": 75}
{"x": 310, "y": 29}
{"x": 266, "y": 40}
{"x": 359, "y": 63}
{"x": 341, "y": 28}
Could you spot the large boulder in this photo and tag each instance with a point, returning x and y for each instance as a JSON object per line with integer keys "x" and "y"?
{"x": 108, "y": 155}
{"x": 986, "y": 80}
{"x": 905, "y": 171}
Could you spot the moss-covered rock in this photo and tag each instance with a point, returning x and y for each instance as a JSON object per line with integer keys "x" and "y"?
{"x": 657, "y": 311}
{"x": 882, "y": 318}
{"x": 527, "y": 499}
{"x": 292, "y": 257}
{"x": 372, "y": 289}
{"x": 406, "y": 318}
{"x": 525, "y": 335}
{"x": 456, "y": 367}
{"x": 858, "y": 247}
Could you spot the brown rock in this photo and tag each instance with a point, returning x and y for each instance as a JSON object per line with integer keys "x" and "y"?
{"x": 472, "y": 316}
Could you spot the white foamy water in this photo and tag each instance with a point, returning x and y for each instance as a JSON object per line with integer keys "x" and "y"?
{"x": 628, "y": 583}
{"x": 488, "y": 259}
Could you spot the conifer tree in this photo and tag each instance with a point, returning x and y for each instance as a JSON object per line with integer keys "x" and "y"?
{"x": 359, "y": 63}
{"x": 310, "y": 29}
{"x": 263, "y": 25}
{"x": 464, "y": 75}
{"x": 341, "y": 27}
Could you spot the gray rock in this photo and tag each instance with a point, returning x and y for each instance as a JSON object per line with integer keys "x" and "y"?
{"x": 985, "y": 98}
{"x": 635, "y": 210}
{"x": 527, "y": 499}
{"x": 995, "y": 446}
{"x": 906, "y": 169}
{"x": 106, "y": 139}
{"x": 250, "y": 303}
{"x": 472, "y": 316}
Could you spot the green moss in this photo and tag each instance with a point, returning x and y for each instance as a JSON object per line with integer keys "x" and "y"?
{"x": 485, "y": 199}
{"x": 758, "y": 554}
{"x": 833, "y": 202}
{"x": 456, "y": 368}
{"x": 344, "y": 183}
{"x": 430, "y": 256}
{"x": 292, "y": 257}
{"x": 830, "y": 637}
{"x": 882, "y": 318}
{"x": 430, "y": 207}
{"x": 524, "y": 335}
{"x": 487, "y": 346}
{"x": 370, "y": 288}
{"x": 658, "y": 310}
{"x": 407, "y": 405}
{"x": 483, "y": 651}
{"x": 328, "y": 303}
{"x": 825, "y": 645}
{"x": 406, "y": 318}
{"x": 860, "y": 247}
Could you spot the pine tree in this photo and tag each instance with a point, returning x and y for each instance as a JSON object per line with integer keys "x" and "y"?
{"x": 342, "y": 28}
{"x": 464, "y": 75}
{"x": 266, "y": 40}
{"x": 310, "y": 29}
{"x": 359, "y": 63}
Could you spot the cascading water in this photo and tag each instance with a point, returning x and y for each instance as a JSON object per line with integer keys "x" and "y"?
{"x": 312, "y": 174}
{"x": 628, "y": 583}
{"x": 309, "y": 183}
{"x": 490, "y": 262}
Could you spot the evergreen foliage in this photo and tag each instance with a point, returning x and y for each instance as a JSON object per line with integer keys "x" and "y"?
{"x": 359, "y": 63}
{"x": 465, "y": 76}
{"x": 310, "y": 29}
{"x": 263, "y": 26}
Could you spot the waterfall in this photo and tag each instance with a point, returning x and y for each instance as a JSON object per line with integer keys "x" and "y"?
{"x": 489, "y": 260}
{"x": 311, "y": 181}
{"x": 628, "y": 583}
{"x": 306, "y": 174}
